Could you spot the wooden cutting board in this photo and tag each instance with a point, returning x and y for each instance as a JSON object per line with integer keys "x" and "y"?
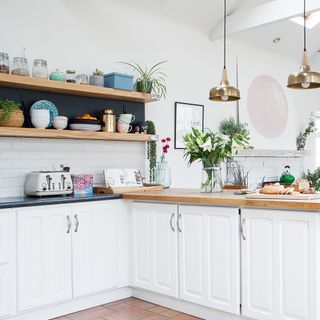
{"x": 145, "y": 188}
{"x": 284, "y": 196}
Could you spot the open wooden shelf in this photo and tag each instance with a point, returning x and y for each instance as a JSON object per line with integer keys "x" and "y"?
{"x": 11, "y": 81}
{"x": 73, "y": 134}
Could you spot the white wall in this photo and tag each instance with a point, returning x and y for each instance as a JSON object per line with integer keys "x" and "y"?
{"x": 84, "y": 35}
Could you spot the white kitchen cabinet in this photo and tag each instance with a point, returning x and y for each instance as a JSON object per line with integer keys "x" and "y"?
{"x": 7, "y": 263}
{"x": 95, "y": 247}
{"x": 210, "y": 257}
{"x": 155, "y": 248}
{"x": 44, "y": 256}
{"x": 280, "y": 265}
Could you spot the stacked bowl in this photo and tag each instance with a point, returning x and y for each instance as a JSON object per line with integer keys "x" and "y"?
{"x": 40, "y": 118}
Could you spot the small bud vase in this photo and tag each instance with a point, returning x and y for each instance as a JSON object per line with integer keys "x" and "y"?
{"x": 163, "y": 173}
{"x": 211, "y": 180}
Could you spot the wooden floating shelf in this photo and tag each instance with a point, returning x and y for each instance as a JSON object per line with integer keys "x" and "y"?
{"x": 12, "y": 81}
{"x": 73, "y": 134}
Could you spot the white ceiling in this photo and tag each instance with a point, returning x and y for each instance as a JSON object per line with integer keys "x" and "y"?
{"x": 291, "y": 39}
{"x": 202, "y": 15}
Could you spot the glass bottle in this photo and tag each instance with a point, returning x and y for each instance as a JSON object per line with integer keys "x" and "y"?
{"x": 163, "y": 173}
{"x": 40, "y": 69}
{"x": 4, "y": 63}
{"x": 20, "y": 67}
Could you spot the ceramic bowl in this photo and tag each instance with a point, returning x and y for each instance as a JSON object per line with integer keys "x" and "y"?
{"x": 40, "y": 122}
{"x": 60, "y": 122}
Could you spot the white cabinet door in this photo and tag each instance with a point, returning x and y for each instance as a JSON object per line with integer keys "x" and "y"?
{"x": 280, "y": 265}
{"x": 210, "y": 257}
{"x": 7, "y": 263}
{"x": 95, "y": 247}
{"x": 44, "y": 256}
{"x": 155, "y": 248}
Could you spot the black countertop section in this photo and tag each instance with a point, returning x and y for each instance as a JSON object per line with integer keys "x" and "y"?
{"x": 6, "y": 203}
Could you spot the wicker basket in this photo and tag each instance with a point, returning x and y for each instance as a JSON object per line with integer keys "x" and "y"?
{"x": 15, "y": 119}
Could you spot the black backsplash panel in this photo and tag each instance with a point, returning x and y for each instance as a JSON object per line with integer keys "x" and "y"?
{"x": 72, "y": 106}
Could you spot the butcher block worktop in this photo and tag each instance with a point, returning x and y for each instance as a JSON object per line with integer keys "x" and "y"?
{"x": 226, "y": 198}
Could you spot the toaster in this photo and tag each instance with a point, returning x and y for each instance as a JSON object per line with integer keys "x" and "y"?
{"x": 47, "y": 183}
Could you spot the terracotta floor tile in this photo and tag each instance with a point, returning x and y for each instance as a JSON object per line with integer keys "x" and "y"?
{"x": 128, "y": 309}
{"x": 158, "y": 309}
{"x": 185, "y": 317}
{"x": 170, "y": 313}
{"x": 90, "y": 314}
{"x": 123, "y": 315}
{"x": 118, "y": 302}
{"x": 141, "y": 304}
{"x": 156, "y": 317}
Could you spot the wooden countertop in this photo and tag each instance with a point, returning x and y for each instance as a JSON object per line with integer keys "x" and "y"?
{"x": 225, "y": 198}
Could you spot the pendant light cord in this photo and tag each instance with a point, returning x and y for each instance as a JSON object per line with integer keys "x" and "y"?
{"x": 304, "y": 26}
{"x": 225, "y": 35}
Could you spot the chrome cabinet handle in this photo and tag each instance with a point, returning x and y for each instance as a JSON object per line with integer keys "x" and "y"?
{"x": 171, "y": 223}
{"x": 178, "y": 222}
{"x": 242, "y": 229}
{"x": 77, "y": 223}
{"x": 68, "y": 224}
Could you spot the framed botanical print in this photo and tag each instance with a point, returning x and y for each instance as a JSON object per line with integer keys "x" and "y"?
{"x": 187, "y": 115}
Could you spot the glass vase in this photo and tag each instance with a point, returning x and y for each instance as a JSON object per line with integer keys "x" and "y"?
{"x": 163, "y": 174}
{"x": 211, "y": 180}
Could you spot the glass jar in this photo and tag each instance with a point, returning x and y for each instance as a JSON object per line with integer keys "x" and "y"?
{"x": 163, "y": 174}
{"x": 71, "y": 76}
{"x": 211, "y": 180}
{"x": 20, "y": 67}
{"x": 4, "y": 63}
{"x": 40, "y": 69}
{"x": 82, "y": 79}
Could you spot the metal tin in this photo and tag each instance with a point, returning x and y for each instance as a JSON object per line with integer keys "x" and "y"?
{"x": 108, "y": 121}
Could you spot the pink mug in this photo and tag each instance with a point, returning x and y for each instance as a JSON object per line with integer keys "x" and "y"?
{"x": 123, "y": 128}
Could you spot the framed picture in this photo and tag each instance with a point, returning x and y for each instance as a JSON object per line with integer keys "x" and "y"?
{"x": 187, "y": 115}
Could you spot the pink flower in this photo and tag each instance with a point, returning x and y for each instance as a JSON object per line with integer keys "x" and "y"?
{"x": 163, "y": 140}
{"x": 168, "y": 139}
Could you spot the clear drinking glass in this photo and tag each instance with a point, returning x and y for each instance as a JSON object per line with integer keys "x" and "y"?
{"x": 82, "y": 79}
{"x": 40, "y": 69}
{"x": 4, "y": 63}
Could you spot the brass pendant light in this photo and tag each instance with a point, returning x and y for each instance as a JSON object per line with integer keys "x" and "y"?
{"x": 305, "y": 78}
{"x": 224, "y": 92}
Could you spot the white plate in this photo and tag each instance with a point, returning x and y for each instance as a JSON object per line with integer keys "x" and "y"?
{"x": 85, "y": 127}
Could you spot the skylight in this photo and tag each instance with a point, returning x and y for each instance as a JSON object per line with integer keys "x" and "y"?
{"x": 313, "y": 19}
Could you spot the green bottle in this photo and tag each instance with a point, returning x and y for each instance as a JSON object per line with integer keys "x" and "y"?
{"x": 287, "y": 177}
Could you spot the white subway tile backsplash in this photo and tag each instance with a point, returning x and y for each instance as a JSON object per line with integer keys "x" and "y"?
{"x": 19, "y": 156}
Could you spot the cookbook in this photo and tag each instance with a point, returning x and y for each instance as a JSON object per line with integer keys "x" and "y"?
{"x": 123, "y": 178}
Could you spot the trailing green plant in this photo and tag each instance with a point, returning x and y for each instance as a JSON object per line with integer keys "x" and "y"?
{"x": 313, "y": 178}
{"x": 7, "y": 107}
{"x": 151, "y": 150}
{"x": 149, "y": 79}
{"x": 310, "y": 128}
{"x": 231, "y": 128}
{"x": 98, "y": 72}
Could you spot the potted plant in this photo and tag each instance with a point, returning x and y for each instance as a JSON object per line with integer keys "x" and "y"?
{"x": 212, "y": 149}
{"x": 97, "y": 78}
{"x": 10, "y": 114}
{"x": 302, "y": 137}
{"x": 150, "y": 80}
{"x": 313, "y": 178}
